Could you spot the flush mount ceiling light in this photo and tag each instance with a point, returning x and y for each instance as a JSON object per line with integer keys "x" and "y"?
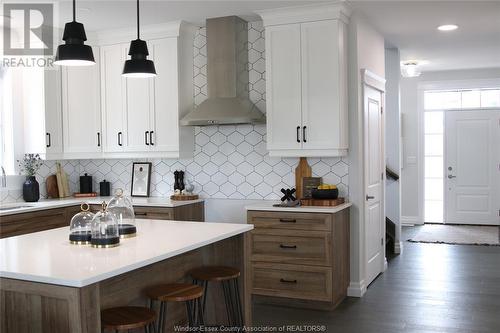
{"x": 410, "y": 69}
{"x": 138, "y": 66}
{"x": 447, "y": 27}
{"x": 74, "y": 52}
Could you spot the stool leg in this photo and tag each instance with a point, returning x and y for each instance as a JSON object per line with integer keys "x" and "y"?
{"x": 189, "y": 313}
{"x": 226, "y": 288}
{"x": 201, "y": 320}
{"x": 238, "y": 303}
{"x": 162, "y": 317}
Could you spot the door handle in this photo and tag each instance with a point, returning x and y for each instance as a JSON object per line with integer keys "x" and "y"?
{"x": 451, "y": 176}
{"x": 151, "y": 138}
{"x": 146, "y": 138}
{"x": 120, "y": 139}
{"x": 49, "y": 143}
{"x": 304, "y": 134}
{"x": 284, "y": 246}
{"x": 369, "y": 197}
{"x": 298, "y": 134}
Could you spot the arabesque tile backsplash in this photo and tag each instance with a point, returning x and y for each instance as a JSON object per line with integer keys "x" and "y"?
{"x": 229, "y": 161}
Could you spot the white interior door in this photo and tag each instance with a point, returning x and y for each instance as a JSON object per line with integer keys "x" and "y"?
{"x": 472, "y": 162}
{"x": 374, "y": 183}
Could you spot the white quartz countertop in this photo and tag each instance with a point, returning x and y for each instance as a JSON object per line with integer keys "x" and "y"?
{"x": 48, "y": 257}
{"x": 268, "y": 206}
{"x": 26, "y": 207}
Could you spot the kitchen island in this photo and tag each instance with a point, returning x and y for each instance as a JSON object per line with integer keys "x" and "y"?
{"x": 49, "y": 285}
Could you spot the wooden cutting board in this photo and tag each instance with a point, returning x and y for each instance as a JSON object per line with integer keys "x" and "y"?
{"x": 303, "y": 170}
{"x": 62, "y": 182}
{"x": 322, "y": 202}
{"x": 51, "y": 186}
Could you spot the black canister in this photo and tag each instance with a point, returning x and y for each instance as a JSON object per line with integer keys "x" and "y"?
{"x": 105, "y": 188}
{"x": 86, "y": 184}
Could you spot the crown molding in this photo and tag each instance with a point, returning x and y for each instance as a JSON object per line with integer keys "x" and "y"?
{"x": 148, "y": 32}
{"x": 299, "y": 14}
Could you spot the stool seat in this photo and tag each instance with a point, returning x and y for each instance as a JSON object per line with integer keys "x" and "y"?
{"x": 174, "y": 292}
{"x": 127, "y": 317}
{"x": 215, "y": 273}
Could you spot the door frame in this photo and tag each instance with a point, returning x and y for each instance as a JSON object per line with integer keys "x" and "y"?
{"x": 372, "y": 80}
{"x": 421, "y": 88}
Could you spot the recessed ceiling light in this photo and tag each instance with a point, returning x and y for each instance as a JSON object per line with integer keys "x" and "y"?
{"x": 410, "y": 68}
{"x": 448, "y": 27}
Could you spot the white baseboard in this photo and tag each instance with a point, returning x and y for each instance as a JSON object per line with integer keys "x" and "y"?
{"x": 356, "y": 289}
{"x": 398, "y": 247}
{"x": 410, "y": 220}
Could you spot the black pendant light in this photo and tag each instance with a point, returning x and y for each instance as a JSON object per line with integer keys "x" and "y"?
{"x": 138, "y": 65}
{"x": 74, "y": 52}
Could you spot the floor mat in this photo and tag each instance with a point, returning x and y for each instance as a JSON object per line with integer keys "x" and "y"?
{"x": 458, "y": 234}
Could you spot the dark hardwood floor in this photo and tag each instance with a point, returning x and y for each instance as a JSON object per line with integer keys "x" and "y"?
{"x": 428, "y": 288}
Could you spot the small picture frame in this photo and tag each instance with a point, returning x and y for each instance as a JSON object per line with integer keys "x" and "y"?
{"x": 141, "y": 179}
{"x": 308, "y": 184}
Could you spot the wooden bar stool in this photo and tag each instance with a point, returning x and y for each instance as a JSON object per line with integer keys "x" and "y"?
{"x": 127, "y": 318}
{"x": 228, "y": 277}
{"x": 177, "y": 292}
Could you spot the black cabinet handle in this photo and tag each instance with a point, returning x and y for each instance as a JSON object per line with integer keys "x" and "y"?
{"x": 283, "y": 246}
{"x": 49, "y": 142}
{"x": 298, "y": 134}
{"x": 98, "y": 139}
{"x": 146, "y": 138}
{"x": 288, "y": 220}
{"x": 151, "y": 138}
{"x": 120, "y": 139}
{"x": 304, "y": 134}
{"x": 288, "y": 281}
{"x": 140, "y": 214}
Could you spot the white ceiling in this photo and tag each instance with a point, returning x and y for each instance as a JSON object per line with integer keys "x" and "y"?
{"x": 411, "y": 27}
{"x": 406, "y": 24}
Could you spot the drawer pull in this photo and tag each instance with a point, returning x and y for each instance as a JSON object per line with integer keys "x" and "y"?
{"x": 288, "y": 281}
{"x": 141, "y": 214}
{"x": 283, "y": 246}
{"x": 288, "y": 220}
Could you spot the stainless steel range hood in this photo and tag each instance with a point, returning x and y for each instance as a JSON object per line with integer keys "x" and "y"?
{"x": 227, "y": 77}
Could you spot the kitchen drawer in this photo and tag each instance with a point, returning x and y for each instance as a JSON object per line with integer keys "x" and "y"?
{"x": 291, "y": 246}
{"x": 291, "y": 281}
{"x": 25, "y": 223}
{"x": 290, "y": 221}
{"x": 154, "y": 213}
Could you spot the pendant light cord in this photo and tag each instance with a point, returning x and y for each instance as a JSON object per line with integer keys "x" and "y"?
{"x": 138, "y": 19}
{"x": 74, "y": 10}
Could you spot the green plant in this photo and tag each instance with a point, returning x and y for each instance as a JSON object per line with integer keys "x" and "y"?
{"x": 30, "y": 164}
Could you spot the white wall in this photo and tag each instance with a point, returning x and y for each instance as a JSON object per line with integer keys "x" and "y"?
{"x": 411, "y": 207}
{"x": 366, "y": 51}
{"x": 392, "y": 139}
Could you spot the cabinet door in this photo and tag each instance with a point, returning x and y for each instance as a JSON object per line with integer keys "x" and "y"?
{"x": 81, "y": 108}
{"x": 53, "y": 116}
{"x": 113, "y": 90}
{"x": 321, "y": 89}
{"x": 139, "y": 107}
{"x": 165, "y": 116}
{"x": 283, "y": 86}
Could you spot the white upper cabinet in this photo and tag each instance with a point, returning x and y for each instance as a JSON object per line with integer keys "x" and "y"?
{"x": 113, "y": 97}
{"x": 81, "y": 115}
{"x": 53, "y": 121}
{"x": 306, "y": 81}
{"x": 141, "y": 116}
{"x": 283, "y": 87}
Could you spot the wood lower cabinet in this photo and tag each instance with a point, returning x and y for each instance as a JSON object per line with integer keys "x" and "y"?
{"x": 25, "y": 223}
{"x": 298, "y": 259}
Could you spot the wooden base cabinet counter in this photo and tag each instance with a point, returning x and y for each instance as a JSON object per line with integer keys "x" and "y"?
{"x": 298, "y": 256}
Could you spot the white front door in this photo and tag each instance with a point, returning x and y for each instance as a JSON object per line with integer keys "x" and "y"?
{"x": 374, "y": 183}
{"x": 472, "y": 162}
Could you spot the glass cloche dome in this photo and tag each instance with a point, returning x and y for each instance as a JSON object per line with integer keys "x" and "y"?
{"x": 80, "y": 228}
{"x": 121, "y": 207}
{"x": 104, "y": 229}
